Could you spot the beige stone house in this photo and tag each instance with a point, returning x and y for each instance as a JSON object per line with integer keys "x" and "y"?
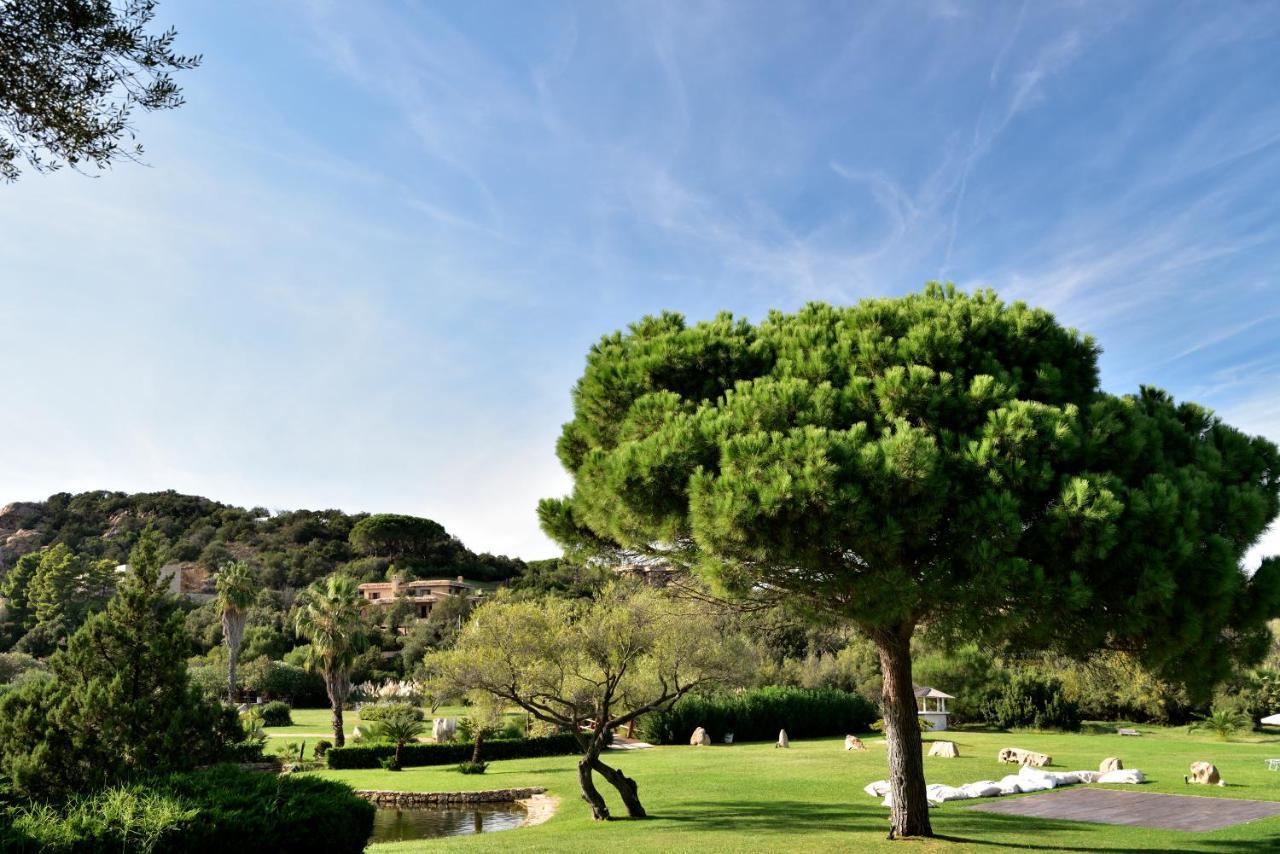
{"x": 423, "y": 593}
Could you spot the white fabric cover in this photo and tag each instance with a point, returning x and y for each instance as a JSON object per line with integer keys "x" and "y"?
{"x": 1034, "y": 780}
{"x": 1027, "y": 779}
{"x": 982, "y": 789}
{"x": 1010, "y": 785}
{"x": 940, "y": 793}
{"x": 878, "y": 789}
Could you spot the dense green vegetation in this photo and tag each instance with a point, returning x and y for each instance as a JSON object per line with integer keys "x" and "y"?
{"x": 118, "y": 701}
{"x": 759, "y": 715}
{"x": 58, "y": 562}
{"x": 285, "y": 549}
{"x": 217, "y": 810}
{"x": 941, "y": 462}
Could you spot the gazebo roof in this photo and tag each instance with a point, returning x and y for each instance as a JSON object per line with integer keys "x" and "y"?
{"x": 924, "y": 691}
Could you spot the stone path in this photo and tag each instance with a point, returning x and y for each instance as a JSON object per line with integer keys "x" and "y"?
{"x": 1139, "y": 809}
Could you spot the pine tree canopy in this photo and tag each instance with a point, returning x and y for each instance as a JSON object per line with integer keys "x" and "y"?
{"x": 940, "y": 460}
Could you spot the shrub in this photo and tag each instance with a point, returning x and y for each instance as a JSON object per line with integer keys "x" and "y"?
{"x": 389, "y": 764}
{"x": 14, "y": 663}
{"x": 758, "y": 715}
{"x": 276, "y": 713}
{"x": 322, "y": 747}
{"x": 215, "y": 810}
{"x": 472, "y": 767}
{"x": 379, "y": 711}
{"x": 411, "y": 755}
{"x": 1032, "y": 700}
{"x": 281, "y": 680}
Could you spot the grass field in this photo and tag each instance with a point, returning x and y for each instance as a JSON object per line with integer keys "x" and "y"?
{"x": 752, "y": 797}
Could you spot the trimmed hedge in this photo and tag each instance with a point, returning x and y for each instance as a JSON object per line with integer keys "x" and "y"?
{"x": 378, "y": 711}
{"x": 758, "y": 715}
{"x": 217, "y": 810}
{"x": 452, "y": 753}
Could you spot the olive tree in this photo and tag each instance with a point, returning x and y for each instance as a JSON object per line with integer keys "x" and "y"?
{"x": 71, "y": 74}
{"x": 591, "y": 666}
{"x": 942, "y": 462}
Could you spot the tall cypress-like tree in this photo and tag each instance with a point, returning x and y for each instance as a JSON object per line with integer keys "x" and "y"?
{"x": 120, "y": 701}
{"x": 941, "y": 462}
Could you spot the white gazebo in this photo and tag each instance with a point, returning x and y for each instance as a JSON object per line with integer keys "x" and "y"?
{"x": 931, "y": 706}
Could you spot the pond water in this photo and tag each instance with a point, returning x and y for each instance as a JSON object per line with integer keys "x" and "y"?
{"x": 393, "y": 824}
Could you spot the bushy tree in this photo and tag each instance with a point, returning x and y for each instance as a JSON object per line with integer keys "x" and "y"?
{"x": 120, "y": 701}
{"x": 591, "y": 666}
{"x": 1033, "y": 700}
{"x": 940, "y": 460}
{"x": 397, "y": 536}
{"x": 71, "y": 74}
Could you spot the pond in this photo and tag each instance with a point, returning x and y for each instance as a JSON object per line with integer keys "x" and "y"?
{"x": 393, "y": 824}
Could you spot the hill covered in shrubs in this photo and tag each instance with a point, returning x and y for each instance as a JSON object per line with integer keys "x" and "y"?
{"x": 287, "y": 549}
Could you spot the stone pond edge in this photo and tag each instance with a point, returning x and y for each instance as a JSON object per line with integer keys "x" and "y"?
{"x": 385, "y": 798}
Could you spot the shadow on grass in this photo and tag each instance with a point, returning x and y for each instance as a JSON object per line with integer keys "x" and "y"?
{"x": 799, "y": 817}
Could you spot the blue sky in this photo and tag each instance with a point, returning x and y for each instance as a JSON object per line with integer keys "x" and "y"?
{"x": 363, "y": 265}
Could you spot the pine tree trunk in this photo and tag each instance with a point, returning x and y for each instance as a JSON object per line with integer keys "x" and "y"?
{"x": 910, "y": 811}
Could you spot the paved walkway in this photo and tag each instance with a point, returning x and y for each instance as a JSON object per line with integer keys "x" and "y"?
{"x": 1139, "y": 809}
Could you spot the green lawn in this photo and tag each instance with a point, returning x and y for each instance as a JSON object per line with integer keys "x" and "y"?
{"x": 810, "y": 798}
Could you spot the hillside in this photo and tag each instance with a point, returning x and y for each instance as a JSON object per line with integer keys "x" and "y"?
{"x": 287, "y": 550}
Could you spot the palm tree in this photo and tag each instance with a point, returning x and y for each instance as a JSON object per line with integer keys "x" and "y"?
{"x": 401, "y": 725}
{"x": 237, "y": 591}
{"x": 330, "y": 619}
{"x": 1221, "y": 723}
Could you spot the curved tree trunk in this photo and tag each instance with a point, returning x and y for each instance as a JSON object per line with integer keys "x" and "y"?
{"x": 910, "y": 810}
{"x": 599, "y": 810}
{"x": 626, "y": 788}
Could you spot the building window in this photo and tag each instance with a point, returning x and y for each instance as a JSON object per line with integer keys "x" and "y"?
{"x": 374, "y": 594}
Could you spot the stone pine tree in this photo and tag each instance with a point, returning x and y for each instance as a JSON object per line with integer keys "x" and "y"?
{"x": 329, "y": 617}
{"x": 940, "y": 462}
{"x": 237, "y": 591}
